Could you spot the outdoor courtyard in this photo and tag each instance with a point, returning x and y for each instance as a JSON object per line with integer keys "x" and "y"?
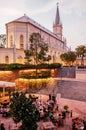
{"x": 78, "y": 107}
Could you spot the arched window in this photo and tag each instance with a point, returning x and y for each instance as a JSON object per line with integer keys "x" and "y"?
{"x": 11, "y": 41}
{"x": 7, "y": 59}
{"x": 21, "y": 41}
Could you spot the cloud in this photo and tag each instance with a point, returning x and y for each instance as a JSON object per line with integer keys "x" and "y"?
{"x": 73, "y": 15}
{"x": 12, "y": 3}
{"x": 40, "y": 6}
{"x": 31, "y": 7}
{"x": 12, "y": 11}
{"x": 9, "y": 8}
{"x": 75, "y": 6}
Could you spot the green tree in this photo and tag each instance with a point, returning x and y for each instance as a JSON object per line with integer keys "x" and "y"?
{"x": 81, "y": 51}
{"x": 68, "y": 57}
{"x": 22, "y": 109}
{"x": 37, "y": 52}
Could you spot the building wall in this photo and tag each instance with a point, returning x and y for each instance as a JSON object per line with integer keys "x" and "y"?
{"x": 16, "y": 29}
{"x": 6, "y": 52}
{"x": 58, "y": 30}
{"x": 19, "y": 55}
{"x": 78, "y": 61}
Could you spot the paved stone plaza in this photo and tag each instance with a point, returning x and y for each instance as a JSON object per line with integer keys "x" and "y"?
{"x": 73, "y": 94}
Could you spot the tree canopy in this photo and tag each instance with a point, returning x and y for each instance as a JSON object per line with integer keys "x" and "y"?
{"x": 81, "y": 51}
{"x": 68, "y": 57}
{"x": 37, "y": 52}
{"x": 22, "y": 109}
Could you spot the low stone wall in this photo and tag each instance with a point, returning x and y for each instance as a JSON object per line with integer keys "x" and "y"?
{"x": 9, "y": 76}
{"x": 67, "y": 72}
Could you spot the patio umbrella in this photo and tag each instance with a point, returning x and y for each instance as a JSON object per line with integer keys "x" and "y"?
{"x": 4, "y": 84}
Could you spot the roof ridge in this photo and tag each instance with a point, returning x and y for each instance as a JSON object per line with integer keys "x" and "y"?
{"x": 29, "y": 20}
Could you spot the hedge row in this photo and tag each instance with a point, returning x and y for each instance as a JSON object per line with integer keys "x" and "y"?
{"x": 17, "y": 66}
{"x": 33, "y": 75}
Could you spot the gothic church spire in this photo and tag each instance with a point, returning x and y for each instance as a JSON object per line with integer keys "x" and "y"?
{"x": 57, "y": 18}
{"x": 57, "y": 26}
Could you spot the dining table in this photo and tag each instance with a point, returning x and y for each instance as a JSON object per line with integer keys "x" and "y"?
{"x": 48, "y": 126}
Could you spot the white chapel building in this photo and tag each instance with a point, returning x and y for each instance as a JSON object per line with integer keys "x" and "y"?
{"x": 17, "y": 39}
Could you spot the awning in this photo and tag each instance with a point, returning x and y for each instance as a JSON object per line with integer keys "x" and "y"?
{"x": 4, "y": 84}
{"x": 7, "y": 84}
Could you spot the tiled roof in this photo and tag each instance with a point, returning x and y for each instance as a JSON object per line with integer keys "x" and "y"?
{"x": 26, "y": 19}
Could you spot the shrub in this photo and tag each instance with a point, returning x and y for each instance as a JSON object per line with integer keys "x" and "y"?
{"x": 3, "y": 66}
{"x": 66, "y": 107}
{"x": 15, "y": 66}
{"x": 32, "y": 74}
{"x": 54, "y": 65}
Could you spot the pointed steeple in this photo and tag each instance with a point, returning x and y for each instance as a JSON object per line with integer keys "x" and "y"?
{"x": 57, "y": 26}
{"x": 57, "y": 18}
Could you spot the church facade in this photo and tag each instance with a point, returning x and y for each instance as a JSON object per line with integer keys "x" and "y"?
{"x": 17, "y": 39}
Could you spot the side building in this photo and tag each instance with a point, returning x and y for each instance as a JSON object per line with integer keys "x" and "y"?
{"x": 17, "y": 39}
